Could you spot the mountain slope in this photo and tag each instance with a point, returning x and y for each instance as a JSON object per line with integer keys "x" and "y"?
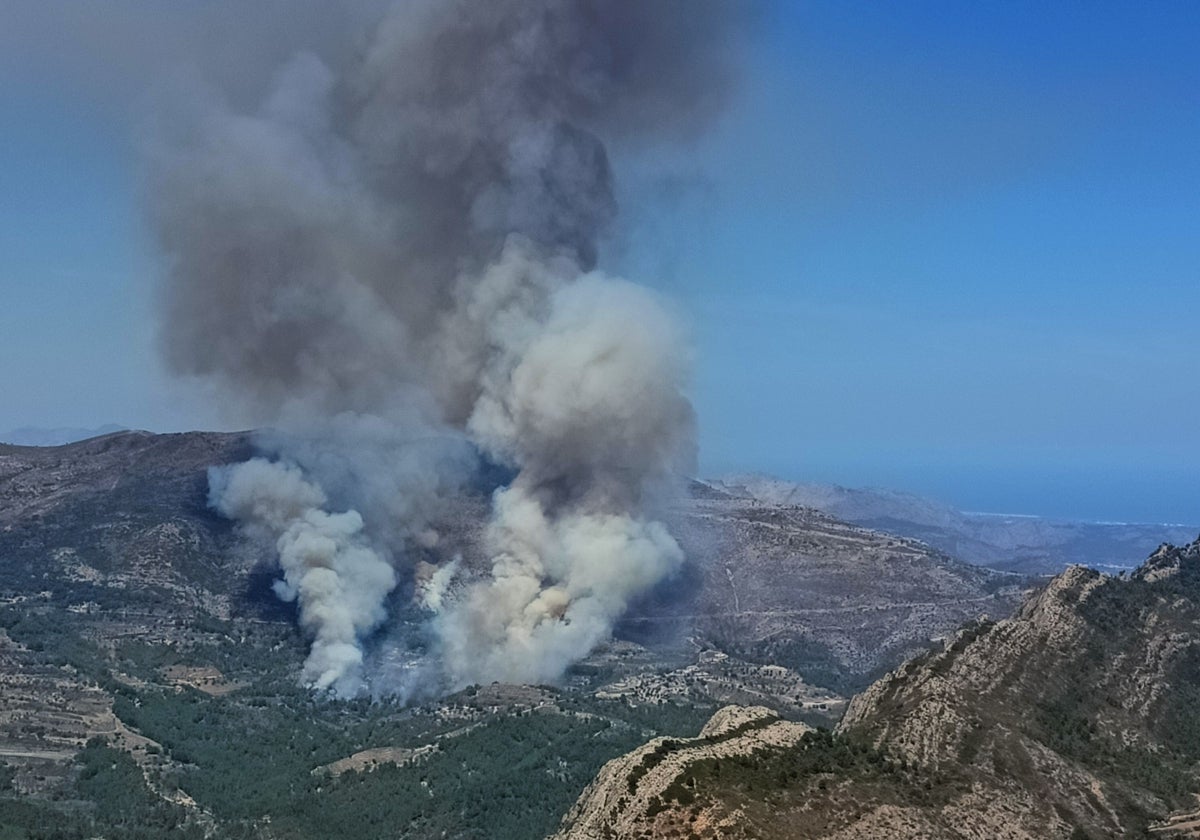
{"x": 787, "y": 585}
{"x": 129, "y": 611}
{"x": 120, "y": 519}
{"x": 1078, "y": 717}
{"x": 1081, "y": 709}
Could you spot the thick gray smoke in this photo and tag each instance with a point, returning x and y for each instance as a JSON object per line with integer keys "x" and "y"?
{"x": 391, "y": 258}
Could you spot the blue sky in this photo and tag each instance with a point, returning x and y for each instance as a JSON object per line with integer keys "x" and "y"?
{"x": 951, "y": 248}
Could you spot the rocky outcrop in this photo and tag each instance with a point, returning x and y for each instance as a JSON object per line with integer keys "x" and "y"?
{"x": 1167, "y": 561}
{"x": 627, "y": 797}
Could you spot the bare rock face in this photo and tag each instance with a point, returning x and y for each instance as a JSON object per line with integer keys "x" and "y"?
{"x": 1168, "y": 560}
{"x": 934, "y": 728}
{"x": 728, "y": 718}
{"x": 627, "y": 799}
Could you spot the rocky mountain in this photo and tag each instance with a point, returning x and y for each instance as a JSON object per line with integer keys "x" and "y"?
{"x": 1075, "y": 718}
{"x": 148, "y": 672}
{"x": 1025, "y": 544}
{"x": 629, "y": 796}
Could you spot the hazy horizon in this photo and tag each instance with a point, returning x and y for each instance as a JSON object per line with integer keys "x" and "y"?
{"x": 1067, "y": 495}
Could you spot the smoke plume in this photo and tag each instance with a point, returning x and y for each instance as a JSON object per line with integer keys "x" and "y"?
{"x": 391, "y": 257}
{"x": 338, "y": 581}
{"x": 588, "y": 404}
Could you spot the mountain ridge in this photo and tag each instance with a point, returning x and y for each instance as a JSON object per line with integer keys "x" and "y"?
{"x": 1021, "y": 543}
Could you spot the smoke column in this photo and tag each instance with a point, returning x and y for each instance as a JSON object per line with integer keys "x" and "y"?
{"x": 590, "y": 409}
{"x": 391, "y": 257}
{"x": 339, "y": 580}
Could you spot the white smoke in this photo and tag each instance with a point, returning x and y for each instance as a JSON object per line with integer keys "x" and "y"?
{"x": 432, "y": 590}
{"x": 338, "y": 581}
{"x": 557, "y": 586}
{"x": 587, "y": 402}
